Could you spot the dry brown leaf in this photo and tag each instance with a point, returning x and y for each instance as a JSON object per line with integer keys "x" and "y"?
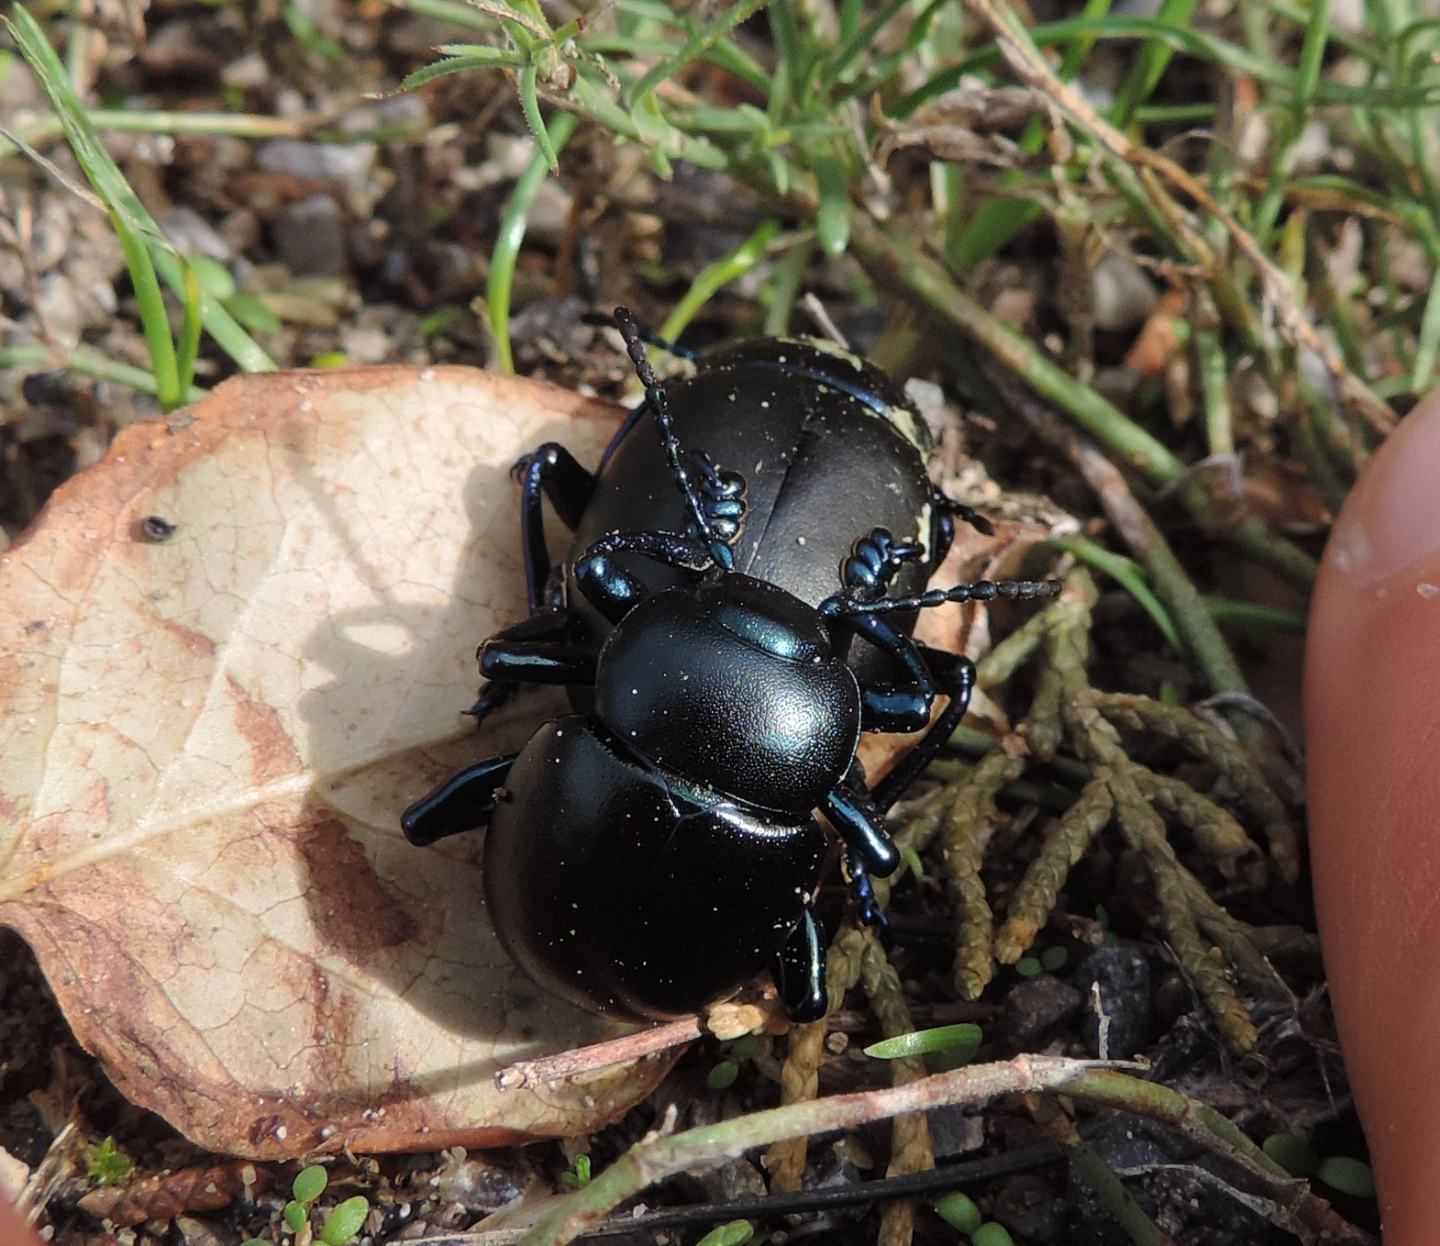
{"x": 205, "y": 745}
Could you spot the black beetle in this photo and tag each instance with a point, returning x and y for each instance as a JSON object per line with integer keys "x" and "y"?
{"x": 827, "y": 448}
{"x": 651, "y": 855}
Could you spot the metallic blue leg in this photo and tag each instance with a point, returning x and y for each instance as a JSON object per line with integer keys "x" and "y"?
{"x": 799, "y": 970}
{"x": 464, "y": 802}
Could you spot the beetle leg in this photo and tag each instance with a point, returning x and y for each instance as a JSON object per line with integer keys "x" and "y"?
{"x": 902, "y": 707}
{"x": 547, "y": 624}
{"x": 632, "y": 418}
{"x": 954, "y": 676}
{"x": 875, "y": 559}
{"x": 492, "y": 695}
{"x": 799, "y": 970}
{"x": 614, "y": 591}
{"x": 944, "y": 511}
{"x": 550, "y": 471}
{"x": 464, "y": 802}
{"x": 536, "y": 662}
{"x": 862, "y": 826}
{"x": 862, "y": 891}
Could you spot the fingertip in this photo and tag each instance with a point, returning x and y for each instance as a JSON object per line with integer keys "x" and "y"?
{"x": 1391, "y": 520}
{"x": 1372, "y": 730}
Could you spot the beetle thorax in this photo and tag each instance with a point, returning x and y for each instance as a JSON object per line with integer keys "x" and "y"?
{"x": 732, "y": 685}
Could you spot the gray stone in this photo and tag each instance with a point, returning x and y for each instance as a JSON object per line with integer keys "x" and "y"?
{"x": 1036, "y": 1008}
{"x": 310, "y": 236}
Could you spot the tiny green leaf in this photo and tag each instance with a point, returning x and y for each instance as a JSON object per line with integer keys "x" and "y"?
{"x": 458, "y": 64}
{"x": 343, "y": 1224}
{"x": 214, "y": 278}
{"x": 723, "y": 1075}
{"x": 949, "y": 1039}
{"x": 1053, "y": 958}
{"x": 744, "y": 1048}
{"x": 309, "y": 1184}
{"x": 733, "y": 1234}
{"x": 913, "y": 862}
{"x": 251, "y": 312}
{"x": 1028, "y": 967}
{"x": 959, "y": 1211}
{"x": 579, "y": 1174}
{"x": 439, "y": 320}
{"x": 1293, "y": 1153}
{"x": 1348, "y": 1176}
{"x": 294, "y": 1217}
{"x": 991, "y": 1234}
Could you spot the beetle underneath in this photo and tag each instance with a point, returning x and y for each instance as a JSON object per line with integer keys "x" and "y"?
{"x": 649, "y": 855}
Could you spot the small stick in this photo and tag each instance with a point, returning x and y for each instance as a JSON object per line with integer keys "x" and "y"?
{"x": 598, "y": 1055}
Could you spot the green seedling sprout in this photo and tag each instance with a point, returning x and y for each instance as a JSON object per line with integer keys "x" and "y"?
{"x": 579, "y": 1175}
{"x": 108, "y": 1164}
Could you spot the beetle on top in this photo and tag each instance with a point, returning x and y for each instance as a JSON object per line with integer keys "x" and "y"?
{"x": 734, "y": 610}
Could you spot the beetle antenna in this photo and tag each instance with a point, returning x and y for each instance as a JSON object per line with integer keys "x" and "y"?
{"x": 648, "y": 336}
{"x": 629, "y": 329}
{"x": 841, "y": 606}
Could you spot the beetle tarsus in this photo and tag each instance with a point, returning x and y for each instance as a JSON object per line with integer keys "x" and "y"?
{"x": 799, "y": 970}
{"x": 463, "y": 802}
{"x": 549, "y": 471}
{"x": 867, "y": 905}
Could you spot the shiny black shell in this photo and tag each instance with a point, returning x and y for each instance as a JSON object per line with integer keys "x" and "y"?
{"x": 732, "y": 685}
{"x": 625, "y": 891}
{"x": 830, "y": 449}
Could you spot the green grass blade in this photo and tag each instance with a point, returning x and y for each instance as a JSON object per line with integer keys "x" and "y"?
{"x": 862, "y": 40}
{"x": 110, "y": 184}
{"x": 1188, "y": 40}
{"x": 833, "y": 186}
{"x": 153, "y": 320}
{"x": 1150, "y": 64}
{"x": 88, "y": 363}
{"x": 455, "y": 11}
{"x": 458, "y": 62}
{"x": 786, "y": 37}
{"x": 588, "y": 97}
{"x": 998, "y": 220}
{"x": 713, "y": 276}
{"x": 959, "y": 1041}
{"x": 512, "y": 234}
{"x": 188, "y": 347}
{"x": 1129, "y": 576}
{"x": 695, "y": 47}
{"x": 1254, "y": 615}
{"x": 530, "y": 106}
{"x": 1427, "y": 349}
{"x": 785, "y": 287}
{"x": 158, "y": 121}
